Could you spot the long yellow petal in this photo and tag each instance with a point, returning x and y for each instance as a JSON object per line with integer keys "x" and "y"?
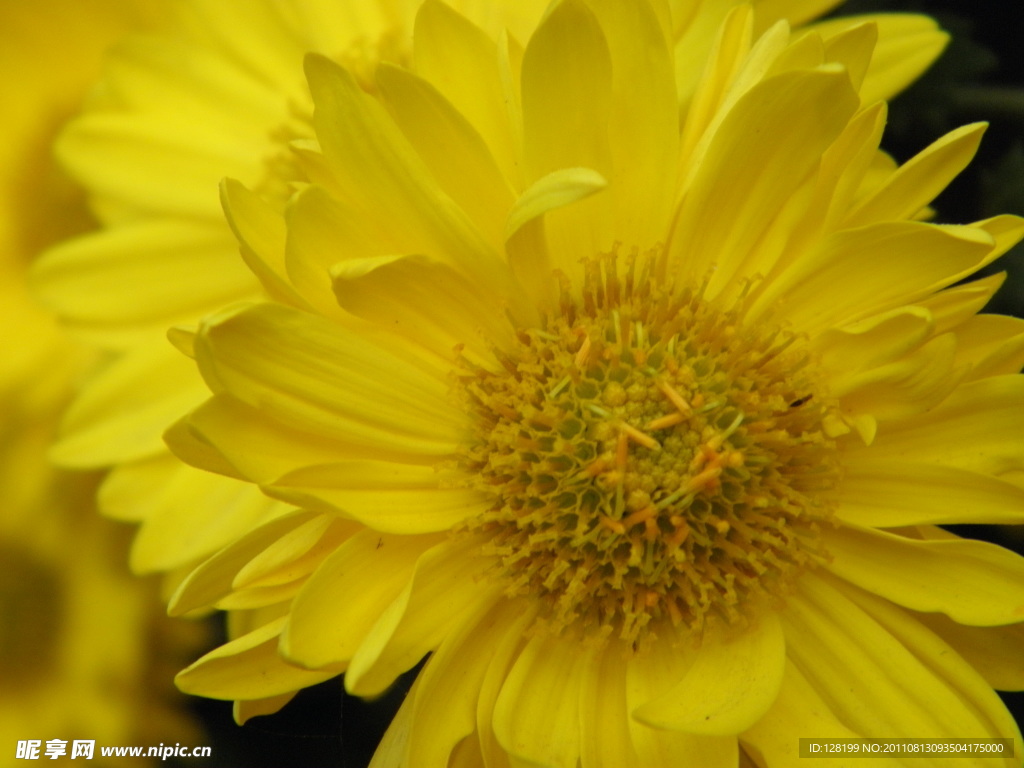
{"x": 972, "y": 582}
{"x": 346, "y": 595}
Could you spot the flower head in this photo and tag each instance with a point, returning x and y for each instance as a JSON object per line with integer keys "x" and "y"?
{"x": 634, "y": 418}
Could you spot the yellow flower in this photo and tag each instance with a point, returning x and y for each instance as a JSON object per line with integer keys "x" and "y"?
{"x": 641, "y": 425}
{"x": 219, "y": 91}
{"x": 85, "y": 651}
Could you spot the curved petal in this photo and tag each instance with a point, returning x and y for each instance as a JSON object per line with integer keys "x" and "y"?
{"x": 605, "y": 738}
{"x": 907, "y": 45}
{"x": 124, "y": 409}
{"x": 536, "y": 715}
{"x": 871, "y": 680}
{"x": 446, "y": 585}
{"x": 215, "y": 578}
{"x": 382, "y": 179}
{"x": 526, "y": 239}
{"x": 919, "y": 180}
{"x": 100, "y": 282}
{"x": 186, "y": 514}
{"x": 427, "y": 302}
{"x": 462, "y": 62}
{"x": 729, "y": 686}
{"x": 883, "y": 494}
{"x": 797, "y": 712}
{"x": 345, "y": 596}
{"x": 987, "y": 714}
{"x": 249, "y": 667}
{"x": 567, "y": 97}
{"x": 977, "y": 428}
{"x": 317, "y": 376}
{"x": 738, "y": 187}
{"x": 993, "y": 651}
{"x": 460, "y": 161}
{"x": 857, "y": 273}
{"x": 972, "y": 582}
{"x": 387, "y": 496}
{"x": 454, "y": 675}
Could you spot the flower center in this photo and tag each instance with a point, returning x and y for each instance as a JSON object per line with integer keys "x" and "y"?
{"x": 651, "y": 458}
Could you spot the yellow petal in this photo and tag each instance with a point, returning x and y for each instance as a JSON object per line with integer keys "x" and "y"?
{"x": 245, "y": 710}
{"x": 972, "y": 582}
{"x": 951, "y": 307}
{"x": 991, "y": 345}
{"x": 984, "y": 713}
{"x": 383, "y": 180}
{"x": 920, "y": 179}
{"x": 248, "y": 668}
{"x": 124, "y": 409}
{"x": 651, "y": 675}
{"x": 526, "y": 239}
{"x": 993, "y": 651}
{"x": 317, "y": 376}
{"x": 867, "y": 676}
{"x": 387, "y": 496}
{"x": 907, "y": 46}
{"x": 567, "y": 91}
{"x": 605, "y": 740}
{"x": 445, "y": 587}
{"x": 229, "y": 437}
{"x": 506, "y": 651}
{"x": 425, "y": 301}
{"x": 740, "y": 186}
{"x": 879, "y": 267}
{"x": 730, "y": 685}
{"x": 454, "y": 675}
{"x": 345, "y": 596}
{"x": 872, "y": 342}
{"x": 184, "y": 161}
{"x": 977, "y": 428}
{"x": 643, "y": 122}
{"x": 462, "y": 62}
{"x": 797, "y": 711}
{"x": 188, "y": 268}
{"x": 882, "y": 493}
{"x": 187, "y": 514}
{"x": 261, "y": 233}
{"x": 536, "y": 715}
{"x": 320, "y": 232}
{"x": 215, "y": 578}
{"x": 461, "y": 162}
{"x": 913, "y": 384}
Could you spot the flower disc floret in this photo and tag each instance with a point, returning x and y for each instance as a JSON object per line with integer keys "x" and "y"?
{"x": 650, "y": 456}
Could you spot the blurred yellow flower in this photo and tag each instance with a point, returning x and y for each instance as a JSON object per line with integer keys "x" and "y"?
{"x": 85, "y": 652}
{"x": 642, "y": 426}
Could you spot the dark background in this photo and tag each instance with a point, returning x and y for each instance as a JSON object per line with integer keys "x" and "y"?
{"x": 980, "y": 77}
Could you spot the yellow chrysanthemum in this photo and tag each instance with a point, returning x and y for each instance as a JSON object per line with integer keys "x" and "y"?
{"x": 219, "y": 91}
{"x": 642, "y": 426}
{"x": 84, "y": 651}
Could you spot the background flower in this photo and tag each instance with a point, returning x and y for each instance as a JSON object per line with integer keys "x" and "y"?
{"x": 86, "y": 653}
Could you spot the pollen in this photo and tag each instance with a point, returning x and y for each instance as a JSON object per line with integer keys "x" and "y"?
{"x": 644, "y": 459}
